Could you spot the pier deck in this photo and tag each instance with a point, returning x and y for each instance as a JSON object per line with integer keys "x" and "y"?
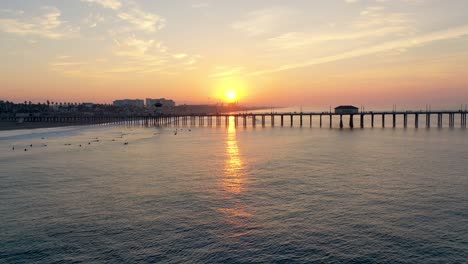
{"x": 325, "y": 119}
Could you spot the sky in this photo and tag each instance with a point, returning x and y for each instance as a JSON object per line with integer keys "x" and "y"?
{"x": 374, "y": 53}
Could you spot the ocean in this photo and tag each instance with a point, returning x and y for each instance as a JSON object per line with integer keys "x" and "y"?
{"x": 134, "y": 194}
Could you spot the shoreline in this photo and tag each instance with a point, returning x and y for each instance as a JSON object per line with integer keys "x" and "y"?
{"x": 7, "y": 126}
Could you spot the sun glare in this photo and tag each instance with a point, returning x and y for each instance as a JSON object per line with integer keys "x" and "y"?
{"x": 230, "y": 90}
{"x": 231, "y": 96}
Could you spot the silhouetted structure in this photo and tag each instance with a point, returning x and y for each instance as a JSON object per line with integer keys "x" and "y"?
{"x": 262, "y": 118}
{"x": 346, "y": 109}
{"x": 130, "y": 103}
{"x": 150, "y": 103}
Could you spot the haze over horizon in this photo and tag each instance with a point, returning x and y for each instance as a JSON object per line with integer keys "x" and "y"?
{"x": 312, "y": 53}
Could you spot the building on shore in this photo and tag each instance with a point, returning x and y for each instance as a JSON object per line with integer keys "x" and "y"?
{"x": 139, "y": 103}
{"x": 160, "y": 106}
{"x": 346, "y": 109}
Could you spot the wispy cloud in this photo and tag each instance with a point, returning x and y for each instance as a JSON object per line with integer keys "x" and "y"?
{"x": 134, "y": 47}
{"x": 131, "y": 55}
{"x": 49, "y": 25}
{"x": 200, "y": 5}
{"x": 141, "y": 20}
{"x": 65, "y": 65}
{"x": 405, "y": 43}
{"x": 179, "y": 56}
{"x": 295, "y": 40}
{"x": 11, "y": 11}
{"x": 112, "y": 4}
{"x": 263, "y": 21}
{"x": 93, "y": 20}
{"x": 378, "y": 17}
{"x": 134, "y": 17}
{"x": 226, "y": 71}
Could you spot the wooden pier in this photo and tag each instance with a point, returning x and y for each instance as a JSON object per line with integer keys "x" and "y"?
{"x": 398, "y": 119}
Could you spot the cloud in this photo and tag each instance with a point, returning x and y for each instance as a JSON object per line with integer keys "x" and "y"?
{"x": 112, "y": 4}
{"x": 129, "y": 12}
{"x": 263, "y": 21}
{"x": 11, "y": 11}
{"x": 142, "y": 20}
{"x": 179, "y": 55}
{"x": 377, "y": 17}
{"x": 65, "y": 65}
{"x": 200, "y": 5}
{"x": 373, "y": 25}
{"x": 224, "y": 71}
{"x": 401, "y": 44}
{"x": 134, "y": 47}
{"x": 150, "y": 53}
{"x": 93, "y": 20}
{"x": 191, "y": 60}
{"x": 295, "y": 40}
{"x": 48, "y": 25}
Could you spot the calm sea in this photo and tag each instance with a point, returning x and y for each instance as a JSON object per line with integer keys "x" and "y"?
{"x": 234, "y": 195}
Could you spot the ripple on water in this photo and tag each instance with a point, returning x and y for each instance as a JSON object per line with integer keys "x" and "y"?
{"x": 216, "y": 195}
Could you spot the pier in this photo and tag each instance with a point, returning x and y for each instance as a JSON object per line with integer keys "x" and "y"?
{"x": 301, "y": 119}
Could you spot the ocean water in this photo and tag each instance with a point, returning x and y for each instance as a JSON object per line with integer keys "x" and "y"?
{"x": 234, "y": 195}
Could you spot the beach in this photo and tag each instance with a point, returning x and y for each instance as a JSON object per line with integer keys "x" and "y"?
{"x": 32, "y": 125}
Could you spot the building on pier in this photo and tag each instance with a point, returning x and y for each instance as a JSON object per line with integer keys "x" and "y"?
{"x": 346, "y": 109}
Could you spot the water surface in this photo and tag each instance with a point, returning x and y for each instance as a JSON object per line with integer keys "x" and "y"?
{"x": 232, "y": 195}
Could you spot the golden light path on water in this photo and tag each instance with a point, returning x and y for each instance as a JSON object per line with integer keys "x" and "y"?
{"x": 234, "y": 185}
{"x": 234, "y": 175}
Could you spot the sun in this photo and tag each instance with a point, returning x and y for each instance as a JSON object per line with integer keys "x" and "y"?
{"x": 230, "y": 90}
{"x": 231, "y": 96}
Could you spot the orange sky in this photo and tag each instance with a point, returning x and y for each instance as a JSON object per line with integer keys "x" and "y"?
{"x": 311, "y": 53}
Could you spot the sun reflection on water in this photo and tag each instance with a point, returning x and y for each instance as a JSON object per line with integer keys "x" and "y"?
{"x": 234, "y": 176}
{"x": 235, "y": 210}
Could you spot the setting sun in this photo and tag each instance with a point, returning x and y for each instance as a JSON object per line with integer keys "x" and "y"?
{"x": 231, "y": 96}
{"x": 230, "y": 90}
